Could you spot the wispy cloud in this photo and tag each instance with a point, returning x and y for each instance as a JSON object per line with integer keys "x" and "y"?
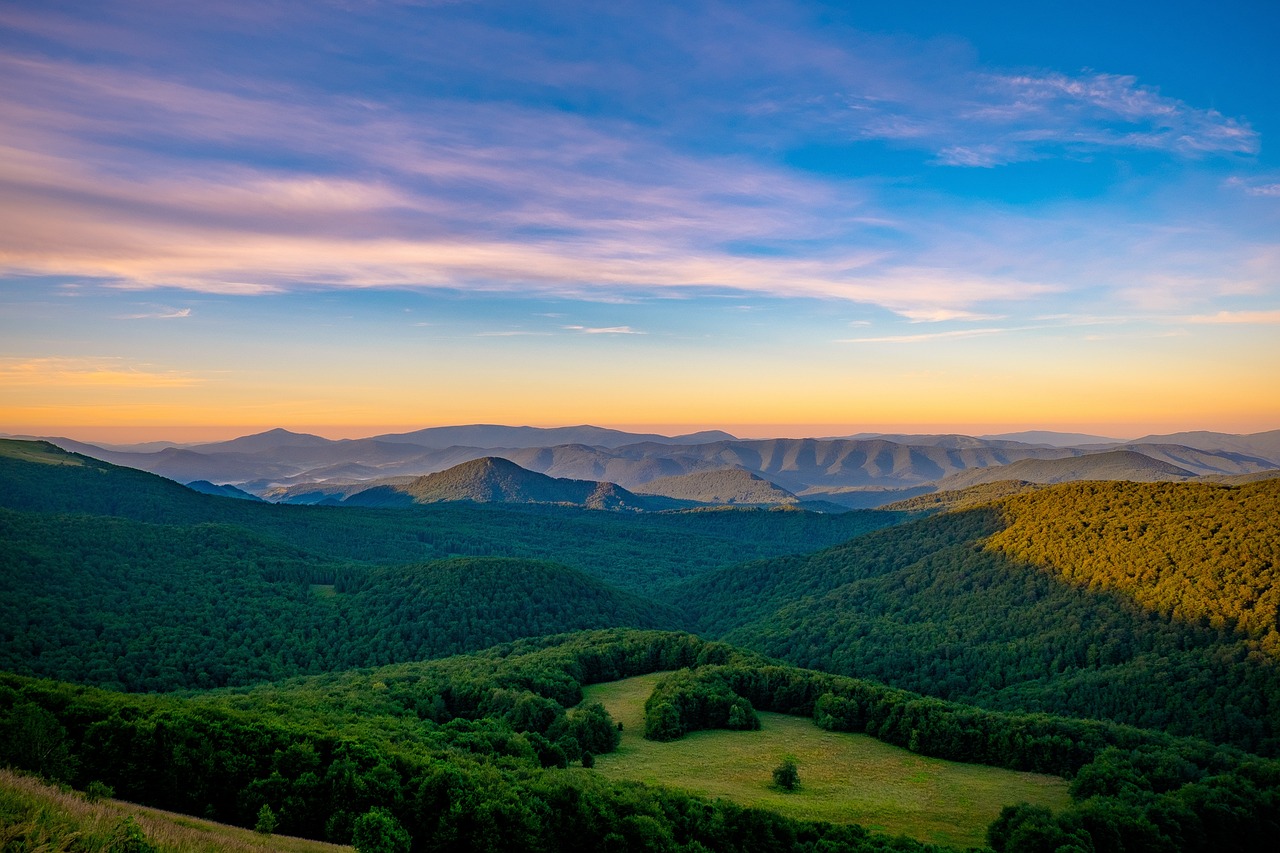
{"x": 1265, "y": 188}
{"x": 1010, "y": 118}
{"x": 255, "y": 186}
{"x": 164, "y": 314}
{"x": 605, "y": 330}
{"x": 1257, "y": 318}
{"x": 88, "y": 373}
{"x": 927, "y": 336}
{"x": 512, "y": 333}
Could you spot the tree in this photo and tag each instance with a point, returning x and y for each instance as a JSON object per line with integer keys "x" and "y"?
{"x": 266, "y": 821}
{"x": 786, "y": 776}
{"x": 377, "y": 831}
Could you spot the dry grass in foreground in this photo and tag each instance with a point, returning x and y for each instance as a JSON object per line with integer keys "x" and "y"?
{"x": 35, "y": 816}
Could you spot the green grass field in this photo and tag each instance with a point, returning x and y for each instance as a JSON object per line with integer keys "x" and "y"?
{"x": 844, "y": 778}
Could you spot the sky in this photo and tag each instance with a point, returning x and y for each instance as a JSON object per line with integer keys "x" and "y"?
{"x": 775, "y": 218}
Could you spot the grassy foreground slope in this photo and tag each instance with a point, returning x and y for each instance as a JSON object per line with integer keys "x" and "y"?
{"x": 37, "y": 816}
{"x": 845, "y": 777}
{"x": 1150, "y": 604}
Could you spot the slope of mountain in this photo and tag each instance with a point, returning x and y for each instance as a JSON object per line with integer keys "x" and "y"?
{"x": 1053, "y": 439}
{"x": 1107, "y": 465}
{"x": 1261, "y": 444}
{"x": 494, "y": 436}
{"x": 726, "y": 486}
{"x": 226, "y": 491}
{"x": 793, "y": 464}
{"x": 844, "y": 471}
{"x": 271, "y": 440}
{"x": 493, "y": 479}
{"x": 139, "y": 606}
{"x": 1152, "y": 604}
{"x": 1203, "y": 462}
{"x": 634, "y": 551}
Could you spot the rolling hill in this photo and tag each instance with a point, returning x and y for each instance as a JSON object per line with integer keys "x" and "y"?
{"x": 492, "y": 479}
{"x": 1076, "y": 598}
{"x": 725, "y": 486}
{"x": 1109, "y": 465}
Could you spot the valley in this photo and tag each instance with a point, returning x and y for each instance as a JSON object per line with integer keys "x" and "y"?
{"x": 1075, "y": 630}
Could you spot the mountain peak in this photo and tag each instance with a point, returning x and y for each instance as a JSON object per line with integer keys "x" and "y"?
{"x": 493, "y": 479}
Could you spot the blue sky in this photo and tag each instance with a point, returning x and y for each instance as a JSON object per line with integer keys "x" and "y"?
{"x": 770, "y": 217}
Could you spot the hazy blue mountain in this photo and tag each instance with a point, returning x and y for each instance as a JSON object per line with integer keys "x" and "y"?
{"x": 1051, "y": 438}
{"x": 724, "y": 486}
{"x": 1109, "y": 465}
{"x": 204, "y": 487}
{"x": 497, "y": 436}
{"x": 1260, "y": 444}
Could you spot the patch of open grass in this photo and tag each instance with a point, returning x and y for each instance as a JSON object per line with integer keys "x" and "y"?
{"x": 30, "y": 451}
{"x": 844, "y": 778}
{"x": 38, "y": 816}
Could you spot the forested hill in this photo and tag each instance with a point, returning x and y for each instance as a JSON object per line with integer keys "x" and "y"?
{"x": 1153, "y": 604}
{"x": 482, "y": 753}
{"x": 138, "y": 606}
{"x": 121, "y": 578}
{"x": 493, "y": 479}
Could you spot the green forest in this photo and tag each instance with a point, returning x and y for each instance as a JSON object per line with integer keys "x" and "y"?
{"x": 423, "y": 666}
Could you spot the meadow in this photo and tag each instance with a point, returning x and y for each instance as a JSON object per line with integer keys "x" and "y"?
{"x": 844, "y": 778}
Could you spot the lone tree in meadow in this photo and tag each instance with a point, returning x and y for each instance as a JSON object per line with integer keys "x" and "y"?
{"x": 786, "y": 776}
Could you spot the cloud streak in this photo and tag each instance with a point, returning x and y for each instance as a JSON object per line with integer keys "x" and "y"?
{"x": 55, "y": 372}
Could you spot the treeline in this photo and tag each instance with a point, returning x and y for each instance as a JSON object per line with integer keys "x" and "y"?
{"x": 932, "y": 607}
{"x": 464, "y": 754}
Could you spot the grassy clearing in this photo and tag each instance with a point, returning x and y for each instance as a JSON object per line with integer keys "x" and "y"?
{"x": 844, "y": 778}
{"x": 36, "y": 816}
{"x": 29, "y": 451}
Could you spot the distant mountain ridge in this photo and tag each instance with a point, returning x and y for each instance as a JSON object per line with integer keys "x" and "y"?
{"x": 852, "y": 472}
{"x": 723, "y": 486}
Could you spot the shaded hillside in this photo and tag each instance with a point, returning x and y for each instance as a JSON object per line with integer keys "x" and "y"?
{"x": 204, "y": 487}
{"x": 1109, "y": 465}
{"x": 138, "y": 606}
{"x": 726, "y": 486}
{"x": 934, "y": 606}
{"x": 496, "y": 480}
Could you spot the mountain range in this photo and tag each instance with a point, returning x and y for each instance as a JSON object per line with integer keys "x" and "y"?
{"x": 862, "y": 471}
